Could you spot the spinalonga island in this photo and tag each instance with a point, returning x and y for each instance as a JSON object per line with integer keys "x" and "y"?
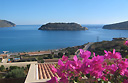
{"x": 5, "y": 23}
{"x": 62, "y": 26}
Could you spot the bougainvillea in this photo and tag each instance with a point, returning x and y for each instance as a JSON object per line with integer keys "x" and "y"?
{"x": 126, "y": 43}
{"x": 92, "y": 68}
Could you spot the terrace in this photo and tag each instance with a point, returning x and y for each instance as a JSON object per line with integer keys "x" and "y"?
{"x": 40, "y": 73}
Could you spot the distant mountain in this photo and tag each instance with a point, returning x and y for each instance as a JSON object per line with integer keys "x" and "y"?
{"x": 121, "y": 26}
{"x": 62, "y": 26}
{"x": 5, "y": 23}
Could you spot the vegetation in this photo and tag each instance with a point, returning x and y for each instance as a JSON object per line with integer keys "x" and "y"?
{"x": 28, "y": 66}
{"x": 109, "y": 68}
{"x": 99, "y": 47}
{"x": 2, "y": 68}
{"x": 15, "y": 73}
{"x": 5, "y": 23}
{"x": 122, "y": 25}
{"x": 27, "y": 60}
{"x": 60, "y": 54}
{"x": 62, "y": 26}
{"x": 72, "y": 50}
{"x": 0, "y": 60}
{"x": 69, "y": 51}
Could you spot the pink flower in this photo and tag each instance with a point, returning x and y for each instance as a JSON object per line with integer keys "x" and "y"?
{"x": 64, "y": 58}
{"x": 112, "y": 68}
{"x": 126, "y": 73}
{"x": 116, "y": 55}
{"x": 107, "y": 55}
{"x": 60, "y": 62}
{"x": 59, "y": 72}
{"x": 64, "y": 79}
{"x": 110, "y": 55}
{"x": 54, "y": 70}
{"x": 53, "y": 80}
{"x": 75, "y": 58}
{"x": 123, "y": 65}
{"x": 97, "y": 67}
{"x": 125, "y": 81}
{"x": 84, "y": 54}
{"x": 126, "y": 43}
{"x": 97, "y": 59}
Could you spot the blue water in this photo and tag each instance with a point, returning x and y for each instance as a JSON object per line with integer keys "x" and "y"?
{"x": 28, "y": 38}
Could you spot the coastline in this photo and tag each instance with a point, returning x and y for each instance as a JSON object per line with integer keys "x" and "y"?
{"x": 40, "y": 51}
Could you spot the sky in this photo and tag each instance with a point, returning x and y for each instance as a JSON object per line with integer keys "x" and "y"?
{"x": 32, "y": 12}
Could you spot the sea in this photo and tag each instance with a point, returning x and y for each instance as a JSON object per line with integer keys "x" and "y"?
{"x": 24, "y": 38}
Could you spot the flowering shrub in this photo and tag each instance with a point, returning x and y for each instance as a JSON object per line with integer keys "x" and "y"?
{"x": 126, "y": 43}
{"x": 108, "y": 68}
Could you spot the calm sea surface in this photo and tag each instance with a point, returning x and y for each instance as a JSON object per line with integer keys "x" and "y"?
{"x": 28, "y": 38}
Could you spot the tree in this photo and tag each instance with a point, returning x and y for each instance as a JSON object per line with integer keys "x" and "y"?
{"x": 60, "y": 54}
{"x": 2, "y": 68}
{"x": 67, "y": 54}
{"x": 42, "y": 61}
{"x": 50, "y": 56}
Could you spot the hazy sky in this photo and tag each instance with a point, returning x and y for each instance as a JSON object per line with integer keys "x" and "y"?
{"x": 23, "y": 12}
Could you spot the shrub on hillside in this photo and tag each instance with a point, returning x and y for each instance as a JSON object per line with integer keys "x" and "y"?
{"x": 15, "y": 73}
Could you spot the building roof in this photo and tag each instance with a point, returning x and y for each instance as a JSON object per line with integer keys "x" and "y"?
{"x": 36, "y": 53}
{"x": 53, "y": 60}
{"x": 3, "y": 55}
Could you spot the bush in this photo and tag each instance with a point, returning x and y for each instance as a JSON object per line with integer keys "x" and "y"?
{"x": 40, "y": 58}
{"x": 42, "y": 61}
{"x": 13, "y": 67}
{"x": 50, "y": 56}
{"x": 46, "y": 58}
{"x": 26, "y": 60}
{"x": 15, "y": 73}
{"x": 2, "y": 68}
{"x": 28, "y": 66}
{"x": 60, "y": 54}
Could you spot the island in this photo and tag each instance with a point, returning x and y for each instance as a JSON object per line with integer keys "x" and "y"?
{"x": 120, "y": 26}
{"x": 5, "y": 23}
{"x": 62, "y": 26}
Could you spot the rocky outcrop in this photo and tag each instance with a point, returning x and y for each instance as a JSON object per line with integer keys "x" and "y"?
{"x": 62, "y": 26}
{"x": 5, "y": 23}
{"x": 121, "y": 26}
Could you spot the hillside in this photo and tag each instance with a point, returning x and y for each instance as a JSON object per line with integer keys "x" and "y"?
{"x": 62, "y": 26}
{"x": 121, "y": 26}
{"x": 5, "y": 23}
{"x": 99, "y": 47}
